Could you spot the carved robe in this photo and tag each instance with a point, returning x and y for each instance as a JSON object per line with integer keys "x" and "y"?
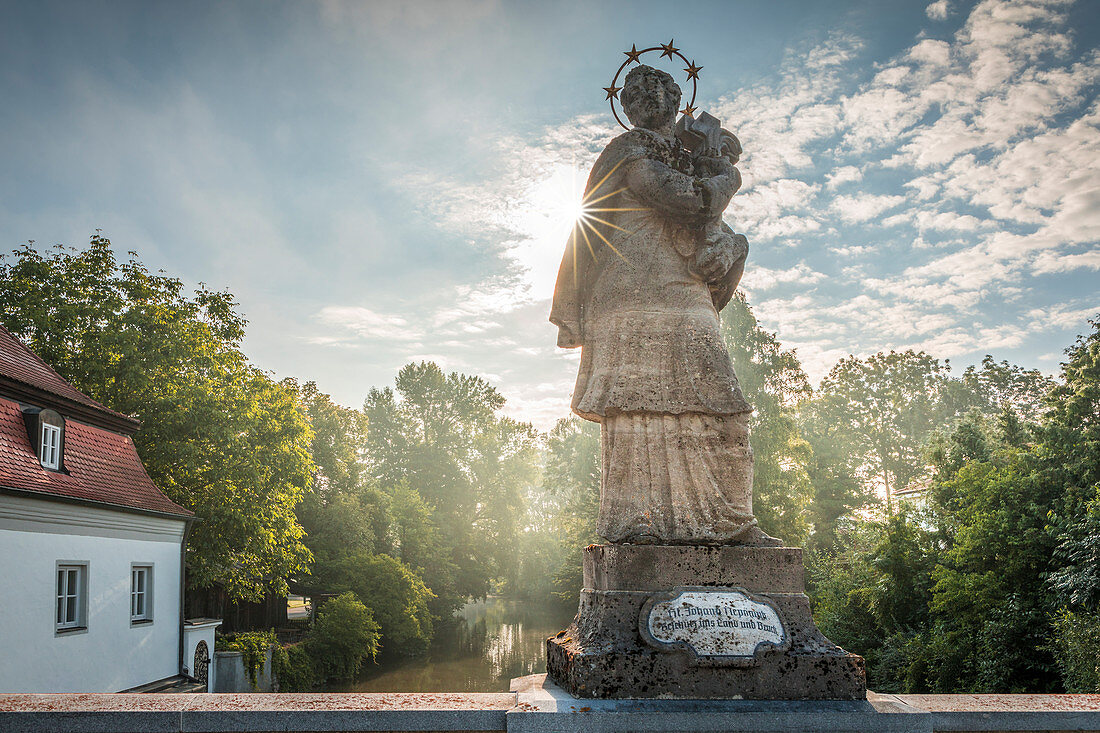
{"x": 677, "y": 466}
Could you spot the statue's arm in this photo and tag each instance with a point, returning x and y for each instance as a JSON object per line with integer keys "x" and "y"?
{"x": 676, "y": 194}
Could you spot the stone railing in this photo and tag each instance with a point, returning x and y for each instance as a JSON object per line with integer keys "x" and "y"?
{"x": 536, "y": 706}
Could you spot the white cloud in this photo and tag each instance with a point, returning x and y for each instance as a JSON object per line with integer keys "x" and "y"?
{"x": 367, "y": 324}
{"x": 864, "y": 206}
{"x": 762, "y": 278}
{"x": 937, "y": 10}
{"x": 844, "y": 174}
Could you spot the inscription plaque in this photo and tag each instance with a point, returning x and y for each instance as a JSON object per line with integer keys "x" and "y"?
{"x": 728, "y": 625}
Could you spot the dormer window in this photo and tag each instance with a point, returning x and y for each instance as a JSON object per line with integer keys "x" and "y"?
{"x": 46, "y": 429}
{"x": 49, "y": 448}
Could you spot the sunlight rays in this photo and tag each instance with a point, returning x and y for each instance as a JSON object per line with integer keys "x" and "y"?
{"x": 587, "y": 219}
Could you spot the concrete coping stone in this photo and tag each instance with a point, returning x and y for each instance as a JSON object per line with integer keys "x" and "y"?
{"x": 535, "y": 705}
{"x": 1018, "y": 712}
{"x": 212, "y": 712}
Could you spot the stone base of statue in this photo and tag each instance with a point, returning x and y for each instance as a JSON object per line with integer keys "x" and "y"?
{"x": 690, "y": 622}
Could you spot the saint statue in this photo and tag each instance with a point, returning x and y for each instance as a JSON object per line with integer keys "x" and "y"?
{"x": 640, "y": 292}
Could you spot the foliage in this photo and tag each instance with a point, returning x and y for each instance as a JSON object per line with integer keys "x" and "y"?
{"x": 344, "y": 634}
{"x": 253, "y": 646}
{"x": 342, "y": 514}
{"x": 1076, "y": 581}
{"x": 1076, "y": 648}
{"x": 996, "y": 386}
{"x": 397, "y": 596}
{"x": 571, "y": 480}
{"x": 872, "y": 596}
{"x": 218, "y": 435}
{"x": 886, "y": 406}
{"x": 439, "y": 435}
{"x": 294, "y": 668}
{"x": 773, "y": 382}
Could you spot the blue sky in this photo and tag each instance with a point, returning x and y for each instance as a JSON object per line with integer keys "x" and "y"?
{"x": 386, "y": 182}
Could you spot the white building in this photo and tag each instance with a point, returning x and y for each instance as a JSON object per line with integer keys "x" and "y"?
{"x": 91, "y": 551}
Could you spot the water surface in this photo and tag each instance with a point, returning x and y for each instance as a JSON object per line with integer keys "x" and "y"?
{"x": 491, "y": 642}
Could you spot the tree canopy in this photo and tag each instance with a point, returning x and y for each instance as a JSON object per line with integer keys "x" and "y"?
{"x": 218, "y": 435}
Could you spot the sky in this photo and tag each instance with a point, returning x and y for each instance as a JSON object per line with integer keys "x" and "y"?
{"x": 386, "y": 182}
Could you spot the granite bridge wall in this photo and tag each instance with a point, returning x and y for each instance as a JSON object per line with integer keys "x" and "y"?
{"x": 534, "y": 706}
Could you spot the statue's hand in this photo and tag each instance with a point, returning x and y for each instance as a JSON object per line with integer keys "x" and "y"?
{"x": 713, "y": 261}
{"x": 718, "y": 254}
{"x": 710, "y": 167}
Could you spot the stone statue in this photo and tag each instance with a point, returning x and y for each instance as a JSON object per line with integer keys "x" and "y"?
{"x": 690, "y": 599}
{"x": 639, "y": 291}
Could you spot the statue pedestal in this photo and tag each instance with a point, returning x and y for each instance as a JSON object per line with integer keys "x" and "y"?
{"x": 691, "y": 622}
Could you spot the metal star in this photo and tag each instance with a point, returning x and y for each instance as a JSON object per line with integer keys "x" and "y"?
{"x": 693, "y": 70}
{"x": 688, "y": 110}
{"x": 612, "y": 91}
{"x": 669, "y": 49}
{"x": 633, "y": 55}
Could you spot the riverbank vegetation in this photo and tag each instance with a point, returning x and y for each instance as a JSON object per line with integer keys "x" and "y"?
{"x": 951, "y": 521}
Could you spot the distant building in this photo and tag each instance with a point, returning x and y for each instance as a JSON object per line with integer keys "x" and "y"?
{"x": 91, "y": 551}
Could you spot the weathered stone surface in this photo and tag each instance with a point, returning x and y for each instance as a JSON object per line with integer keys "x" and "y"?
{"x": 605, "y": 654}
{"x": 544, "y": 706}
{"x": 659, "y": 567}
{"x": 639, "y": 290}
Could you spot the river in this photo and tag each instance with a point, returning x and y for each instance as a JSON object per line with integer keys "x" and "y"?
{"x": 491, "y": 642}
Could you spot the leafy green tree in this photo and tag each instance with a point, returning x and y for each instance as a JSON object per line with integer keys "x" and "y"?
{"x": 834, "y": 474}
{"x": 218, "y": 435}
{"x": 773, "y": 382}
{"x": 397, "y": 597}
{"x": 571, "y": 478}
{"x": 872, "y": 596}
{"x": 440, "y": 436}
{"x": 887, "y": 407}
{"x": 344, "y": 634}
{"x": 999, "y": 385}
{"x": 1070, "y": 450}
{"x": 342, "y": 513}
{"x": 988, "y": 593}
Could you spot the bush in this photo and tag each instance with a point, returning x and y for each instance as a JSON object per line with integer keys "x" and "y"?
{"x": 1076, "y": 649}
{"x": 344, "y": 634}
{"x": 398, "y": 598}
{"x": 295, "y": 670}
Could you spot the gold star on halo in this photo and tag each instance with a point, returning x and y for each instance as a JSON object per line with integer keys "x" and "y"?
{"x": 688, "y": 110}
{"x": 668, "y": 49}
{"x": 633, "y": 55}
{"x": 693, "y": 70}
{"x": 612, "y": 91}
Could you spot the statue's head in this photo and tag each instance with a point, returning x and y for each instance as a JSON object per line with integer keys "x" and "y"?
{"x": 650, "y": 97}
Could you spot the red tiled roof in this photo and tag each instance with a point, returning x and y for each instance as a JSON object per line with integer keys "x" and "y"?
{"x": 103, "y": 466}
{"x": 21, "y": 364}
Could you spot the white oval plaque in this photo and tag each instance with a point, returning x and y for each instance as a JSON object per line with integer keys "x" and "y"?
{"x": 715, "y": 624}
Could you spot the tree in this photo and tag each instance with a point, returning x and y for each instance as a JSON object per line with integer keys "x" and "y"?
{"x": 887, "y": 406}
{"x": 218, "y": 435}
{"x": 344, "y": 634}
{"x": 341, "y": 512}
{"x": 396, "y": 596}
{"x": 571, "y": 477}
{"x": 773, "y": 382}
{"x": 1000, "y": 385}
{"x": 440, "y": 436}
{"x": 1070, "y": 449}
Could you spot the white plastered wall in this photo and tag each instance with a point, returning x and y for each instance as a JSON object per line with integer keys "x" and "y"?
{"x": 112, "y": 654}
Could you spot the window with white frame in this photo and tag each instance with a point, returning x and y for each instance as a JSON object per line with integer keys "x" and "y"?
{"x": 49, "y": 448}
{"x": 141, "y": 593}
{"x": 72, "y": 596}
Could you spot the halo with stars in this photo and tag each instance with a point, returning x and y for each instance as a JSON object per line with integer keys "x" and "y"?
{"x": 666, "y": 49}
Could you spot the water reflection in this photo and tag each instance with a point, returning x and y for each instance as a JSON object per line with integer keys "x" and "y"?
{"x": 487, "y": 644}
